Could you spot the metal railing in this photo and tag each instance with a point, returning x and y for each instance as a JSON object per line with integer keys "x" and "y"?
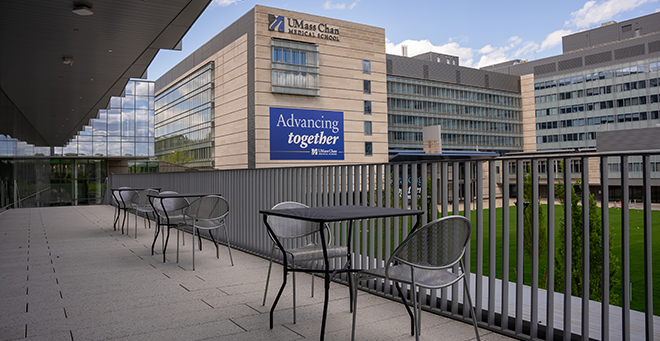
{"x": 439, "y": 188}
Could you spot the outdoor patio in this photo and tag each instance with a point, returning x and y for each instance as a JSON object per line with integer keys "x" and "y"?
{"x": 66, "y": 274}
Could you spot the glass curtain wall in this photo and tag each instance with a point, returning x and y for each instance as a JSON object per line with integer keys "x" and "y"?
{"x": 471, "y": 118}
{"x": 184, "y": 119}
{"x": 125, "y": 128}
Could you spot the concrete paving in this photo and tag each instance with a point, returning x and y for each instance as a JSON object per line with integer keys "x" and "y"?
{"x": 65, "y": 274}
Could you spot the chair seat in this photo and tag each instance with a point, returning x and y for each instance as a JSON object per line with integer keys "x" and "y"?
{"x": 201, "y": 224}
{"x": 315, "y": 252}
{"x": 424, "y": 278}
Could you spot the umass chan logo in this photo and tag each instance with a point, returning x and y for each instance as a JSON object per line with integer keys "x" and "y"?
{"x": 275, "y": 23}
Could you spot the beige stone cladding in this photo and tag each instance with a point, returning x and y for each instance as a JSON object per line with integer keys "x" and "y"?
{"x": 231, "y": 105}
{"x": 528, "y": 112}
{"x": 340, "y": 81}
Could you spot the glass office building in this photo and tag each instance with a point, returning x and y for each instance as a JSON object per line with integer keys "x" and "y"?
{"x": 184, "y": 118}
{"x": 75, "y": 174}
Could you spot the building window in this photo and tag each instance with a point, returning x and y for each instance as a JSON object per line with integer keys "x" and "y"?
{"x": 368, "y": 149}
{"x": 367, "y": 107}
{"x": 367, "y": 127}
{"x": 367, "y": 86}
{"x": 366, "y": 66}
{"x": 294, "y": 68}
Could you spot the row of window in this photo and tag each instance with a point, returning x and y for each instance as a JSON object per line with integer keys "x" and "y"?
{"x": 566, "y": 137}
{"x": 203, "y": 116}
{"x": 431, "y": 91}
{"x": 447, "y": 123}
{"x": 631, "y": 70}
{"x": 597, "y": 91}
{"x": 402, "y": 136}
{"x": 579, "y": 122}
{"x": 196, "y": 80}
{"x": 196, "y": 100}
{"x": 619, "y": 103}
{"x": 435, "y": 107}
{"x": 615, "y": 167}
{"x": 183, "y": 140}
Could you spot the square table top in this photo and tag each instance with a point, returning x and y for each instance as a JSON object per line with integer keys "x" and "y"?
{"x": 327, "y": 214}
{"x": 180, "y": 195}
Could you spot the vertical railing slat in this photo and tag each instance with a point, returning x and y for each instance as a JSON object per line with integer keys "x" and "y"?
{"x": 492, "y": 240}
{"x": 605, "y": 223}
{"x": 520, "y": 237}
{"x": 625, "y": 250}
{"x": 535, "y": 249}
{"x": 479, "y": 271}
{"x": 568, "y": 280}
{"x": 550, "y": 277}
{"x": 585, "y": 247}
{"x": 505, "y": 245}
{"x": 648, "y": 250}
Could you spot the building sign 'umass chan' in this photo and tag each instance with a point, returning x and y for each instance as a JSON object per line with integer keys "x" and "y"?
{"x": 303, "y": 28}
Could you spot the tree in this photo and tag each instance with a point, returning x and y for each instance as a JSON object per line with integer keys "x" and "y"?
{"x": 595, "y": 247}
{"x": 179, "y": 157}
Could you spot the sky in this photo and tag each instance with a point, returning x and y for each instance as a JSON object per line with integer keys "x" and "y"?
{"x": 479, "y": 32}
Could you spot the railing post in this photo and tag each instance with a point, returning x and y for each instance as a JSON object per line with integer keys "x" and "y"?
{"x": 585, "y": 248}
{"x": 492, "y": 238}
{"x": 605, "y": 223}
{"x": 520, "y": 244}
{"x": 648, "y": 250}
{"x": 505, "y": 245}
{"x": 567, "y": 248}
{"x": 625, "y": 250}
{"x": 550, "y": 278}
{"x": 535, "y": 249}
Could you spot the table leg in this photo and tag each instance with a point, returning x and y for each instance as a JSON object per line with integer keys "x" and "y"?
{"x": 279, "y": 293}
{"x": 326, "y": 262}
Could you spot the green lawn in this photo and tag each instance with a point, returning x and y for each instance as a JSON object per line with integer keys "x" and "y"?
{"x": 636, "y": 251}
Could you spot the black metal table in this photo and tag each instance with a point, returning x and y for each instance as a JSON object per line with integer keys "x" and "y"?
{"x": 323, "y": 215}
{"x": 123, "y": 204}
{"x": 167, "y": 217}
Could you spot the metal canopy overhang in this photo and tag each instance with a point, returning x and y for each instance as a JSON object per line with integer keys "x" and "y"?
{"x": 44, "y": 101}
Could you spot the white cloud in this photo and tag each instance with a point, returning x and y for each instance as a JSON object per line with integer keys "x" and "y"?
{"x": 416, "y": 47}
{"x": 553, "y": 39}
{"x": 329, "y": 5}
{"x": 516, "y": 48}
{"x": 224, "y": 3}
{"x": 593, "y": 13}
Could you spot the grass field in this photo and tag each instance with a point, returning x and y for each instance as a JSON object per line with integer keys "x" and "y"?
{"x": 636, "y": 252}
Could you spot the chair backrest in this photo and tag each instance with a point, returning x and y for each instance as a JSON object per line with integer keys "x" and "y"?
{"x": 125, "y": 197}
{"x": 288, "y": 228}
{"x": 437, "y": 245}
{"x": 210, "y": 207}
{"x": 115, "y": 196}
{"x": 141, "y": 198}
{"x": 173, "y": 206}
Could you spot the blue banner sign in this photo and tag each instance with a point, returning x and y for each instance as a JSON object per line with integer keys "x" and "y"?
{"x": 298, "y": 134}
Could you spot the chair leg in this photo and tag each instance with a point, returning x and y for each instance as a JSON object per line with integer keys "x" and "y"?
{"x": 353, "y": 287}
{"x": 413, "y": 287}
{"x": 193, "y": 244}
{"x": 293, "y": 265}
{"x": 270, "y": 266}
{"x": 136, "y": 216}
{"x": 405, "y": 304}
{"x": 313, "y": 267}
{"x": 228, "y": 246}
{"x": 474, "y": 315}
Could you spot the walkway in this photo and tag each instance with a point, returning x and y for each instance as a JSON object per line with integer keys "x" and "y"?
{"x": 66, "y": 275}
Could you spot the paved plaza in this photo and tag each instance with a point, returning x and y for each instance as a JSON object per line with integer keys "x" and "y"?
{"x": 66, "y": 274}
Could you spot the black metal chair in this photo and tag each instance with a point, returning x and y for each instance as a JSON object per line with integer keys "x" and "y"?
{"x": 170, "y": 214}
{"x": 206, "y": 213}
{"x": 425, "y": 260}
{"x": 302, "y": 244}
